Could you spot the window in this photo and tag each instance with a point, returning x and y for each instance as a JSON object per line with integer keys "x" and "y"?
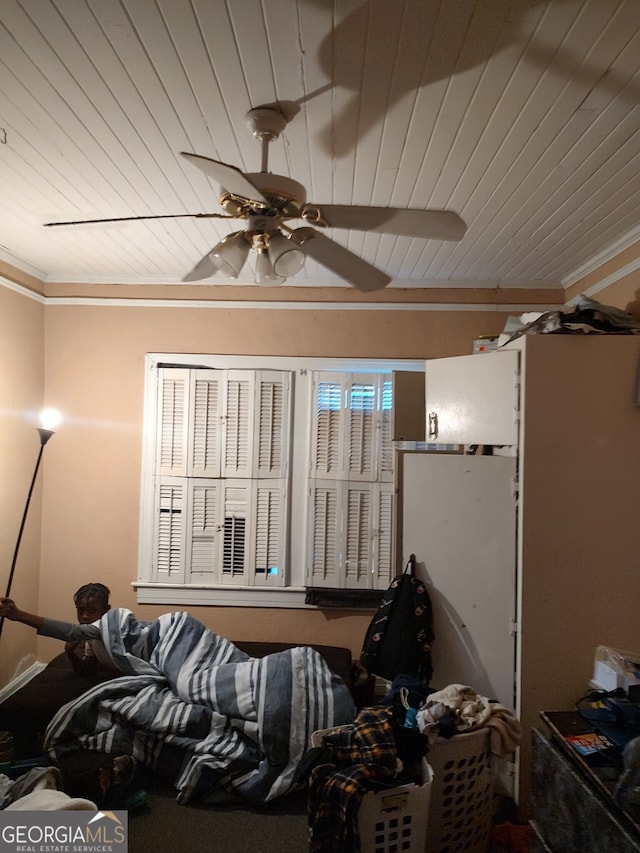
{"x": 350, "y": 513}
{"x": 263, "y": 477}
{"x": 222, "y": 453}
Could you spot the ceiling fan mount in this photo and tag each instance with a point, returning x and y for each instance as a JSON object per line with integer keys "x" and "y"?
{"x": 266, "y": 123}
{"x": 266, "y": 201}
{"x": 282, "y": 196}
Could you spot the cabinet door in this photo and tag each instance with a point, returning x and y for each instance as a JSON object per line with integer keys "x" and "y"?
{"x": 408, "y": 405}
{"x": 458, "y": 516}
{"x": 473, "y": 399}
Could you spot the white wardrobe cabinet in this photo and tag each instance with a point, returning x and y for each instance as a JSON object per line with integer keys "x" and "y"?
{"x": 575, "y": 431}
{"x": 473, "y": 399}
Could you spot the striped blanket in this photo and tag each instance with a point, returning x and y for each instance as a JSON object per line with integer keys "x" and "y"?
{"x": 243, "y": 723}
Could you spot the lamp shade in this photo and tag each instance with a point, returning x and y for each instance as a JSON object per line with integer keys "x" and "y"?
{"x": 231, "y": 253}
{"x": 265, "y": 273}
{"x": 286, "y": 257}
{"x": 50, "y": 418}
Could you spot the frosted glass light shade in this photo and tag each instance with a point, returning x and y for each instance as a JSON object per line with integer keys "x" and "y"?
{"x": 264, "y": 271}
{"x": 231, "y": 253}
{"x": 287, "y": 258}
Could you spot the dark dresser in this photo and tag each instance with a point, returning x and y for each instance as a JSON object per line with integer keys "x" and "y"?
{"x": 572, "y": 796}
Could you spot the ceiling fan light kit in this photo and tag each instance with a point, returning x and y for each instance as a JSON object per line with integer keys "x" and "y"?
{"x": 266, "y": 200}
{"x": 265, "y": 273}
{"x": 285, "y": 255}
{"x": 230, "y": 254}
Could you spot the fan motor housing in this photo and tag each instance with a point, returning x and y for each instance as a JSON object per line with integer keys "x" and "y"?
{"x": 284, "y": 195}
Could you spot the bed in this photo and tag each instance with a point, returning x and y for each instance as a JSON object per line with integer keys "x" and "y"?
{"x": 238, "y": 715}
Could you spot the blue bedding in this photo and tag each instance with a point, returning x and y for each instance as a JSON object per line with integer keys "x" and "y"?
{"x": 243, "y": 723}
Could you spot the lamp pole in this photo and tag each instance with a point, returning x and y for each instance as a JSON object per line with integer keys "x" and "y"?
{"x": 45, "y": 435}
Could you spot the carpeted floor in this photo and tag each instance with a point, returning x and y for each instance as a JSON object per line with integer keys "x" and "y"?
{"x": 164, "y": 826}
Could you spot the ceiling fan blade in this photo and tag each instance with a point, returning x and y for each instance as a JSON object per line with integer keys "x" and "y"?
{"x": 229, "y": 177}
{"x": 136, "y": 218}
{"x": 205, "y": 268}
{"x": 432, "y": 224}
{"x": 339, "y": 260}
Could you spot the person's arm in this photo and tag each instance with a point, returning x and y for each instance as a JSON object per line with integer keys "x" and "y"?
{"x": 48, "y": 627}
{"x": 9, "y": 610}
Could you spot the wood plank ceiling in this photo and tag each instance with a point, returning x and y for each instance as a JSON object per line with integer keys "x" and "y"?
{"x": 522, "y": 116}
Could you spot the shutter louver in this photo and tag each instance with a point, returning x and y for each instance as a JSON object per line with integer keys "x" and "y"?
{"x": 328, "y": 427}
{"x": 170, "y": 532}
{"x": 233, "y": 553}
{"x": 384, "y": 545}
{"x": 236, "y": 502}
{"x": 172, "y": 439}
{"x": 272, "y": 415}
{"x": 205, "y": 424}
{"x": 386, "y": 437}
{"x": 268, "y": 557}
{"x": 238, "y": 428}
{"x": 324, "y": 536}
{"x": 358, "y": 537}
{"x": 204, "y": 523}
{"x": 361, "y": 416}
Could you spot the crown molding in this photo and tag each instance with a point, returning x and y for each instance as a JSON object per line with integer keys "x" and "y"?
{"x": 612, "y": 251}
{"x": 271, "y": 306}
{"x": 23, "y": 291}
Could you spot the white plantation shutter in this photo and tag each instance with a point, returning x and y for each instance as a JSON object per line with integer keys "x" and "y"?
{"x": 361, "y": 442}
{"x": 268, "y": 529}
{"x": 238, "y": 424}
{"x": 383, "y": 542}
{"x": 324, "y": 535}
{"x": 205, "y": 414}
{"x": 222, "y": 459}
{"x": 204, "y": 525}
{"x": 272, "y": 407}
{"x": 351, "y": 539}
{"x": 350, "y": 521}
{"x": 358, "y": 535}
{"x": 170, "y": 531}
{"x": 236, "y": 502}
{"x": 173, "y": 421}
{"x": 227, "y": 506}
{"x": 328, "y": 425}
{"x": 386, "y": 433}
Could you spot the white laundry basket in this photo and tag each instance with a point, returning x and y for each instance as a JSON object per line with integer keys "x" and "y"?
{"x": 393, "y": 820}
{"x": 461, "y": 795}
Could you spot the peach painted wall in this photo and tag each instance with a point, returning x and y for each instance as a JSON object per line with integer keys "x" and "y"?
{"x": 622, "y": 278}
{"x": 93, "y": 357}
{"x": 95, "y": 374}
{"x": 21, "y": 398}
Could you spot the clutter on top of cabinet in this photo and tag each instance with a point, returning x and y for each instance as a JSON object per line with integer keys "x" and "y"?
{"x": 614, "y": 668}
{"x": 583, "y": 316}
{"x": 485, "y": 343}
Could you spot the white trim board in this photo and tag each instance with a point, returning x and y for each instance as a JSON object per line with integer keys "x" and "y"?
{"x": 22, "y": 679}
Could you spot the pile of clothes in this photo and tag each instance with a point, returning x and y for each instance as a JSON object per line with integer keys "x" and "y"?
{"x": 39, "y": 789}
{"x": 384, "y": 747}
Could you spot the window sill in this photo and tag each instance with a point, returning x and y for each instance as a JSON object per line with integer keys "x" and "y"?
{"x": 220, "y": 596}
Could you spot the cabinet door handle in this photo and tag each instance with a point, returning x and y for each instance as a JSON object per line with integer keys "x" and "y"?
{"x": 433, "y": 425}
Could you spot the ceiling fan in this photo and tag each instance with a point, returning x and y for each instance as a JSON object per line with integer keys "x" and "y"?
{"x": 266, "y": 202}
